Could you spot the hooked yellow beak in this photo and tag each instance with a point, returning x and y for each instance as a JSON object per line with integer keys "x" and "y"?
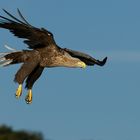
{"x": 82, "y": 65}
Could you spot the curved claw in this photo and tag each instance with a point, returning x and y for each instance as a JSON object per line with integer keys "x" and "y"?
{"x": 28, "y": 98}
{"x": 19, "y": 91}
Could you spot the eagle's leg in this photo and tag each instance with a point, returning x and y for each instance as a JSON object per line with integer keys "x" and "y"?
{"x": 20, "y": 76}
{"x": 19, "y": 91}
{"x": 28, "y": 98}
{"x": 32, "y": 77}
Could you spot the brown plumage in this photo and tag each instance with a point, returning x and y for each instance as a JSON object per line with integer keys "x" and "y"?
{"x": 43, "y": 52}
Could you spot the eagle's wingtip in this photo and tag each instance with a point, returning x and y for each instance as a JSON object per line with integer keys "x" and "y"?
{"x": 102, "y": 63}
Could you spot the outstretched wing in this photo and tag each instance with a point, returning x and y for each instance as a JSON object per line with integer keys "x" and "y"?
{"x": 87, "y": 59}
{"x": 34, "y": 37}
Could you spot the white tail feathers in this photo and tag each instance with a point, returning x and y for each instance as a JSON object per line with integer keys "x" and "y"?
{"x": 9, "y": 48}
{"x": 3, "y": 60}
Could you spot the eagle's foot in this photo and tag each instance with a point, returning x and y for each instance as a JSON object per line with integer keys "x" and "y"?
{"x": 28, "y": 98}
{"x": 19, "y": 91}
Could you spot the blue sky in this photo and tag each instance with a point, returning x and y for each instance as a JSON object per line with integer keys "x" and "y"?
{"x": 97, "y": 103}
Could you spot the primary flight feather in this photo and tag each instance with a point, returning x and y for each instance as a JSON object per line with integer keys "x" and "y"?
{"x": 43, "y": 52}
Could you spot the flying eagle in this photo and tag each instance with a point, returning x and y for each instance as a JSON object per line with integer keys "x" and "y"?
{"x": 42, "y": 52}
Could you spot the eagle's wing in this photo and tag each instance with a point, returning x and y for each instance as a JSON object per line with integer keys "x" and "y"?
{"x": 87, "y": 59}
{"x": 34, "y": 37}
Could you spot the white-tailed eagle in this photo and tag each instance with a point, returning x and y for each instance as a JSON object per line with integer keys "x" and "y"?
{"x": 42, "y": 52}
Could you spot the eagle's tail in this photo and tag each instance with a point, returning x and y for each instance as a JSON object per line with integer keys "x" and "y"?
{"x": 3, "y": 60}
{"x": 11, "y": 57}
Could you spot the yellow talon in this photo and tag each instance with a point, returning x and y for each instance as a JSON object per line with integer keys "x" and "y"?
{"x": 19, "y": 91}
{"x": 28, "y": 98}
